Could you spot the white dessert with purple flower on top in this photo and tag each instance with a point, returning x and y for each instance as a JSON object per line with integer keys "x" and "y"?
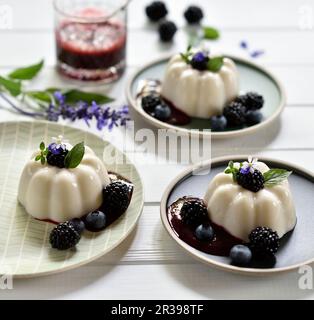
{"x": 241, "y": 202}
{"x": 49, "y": 189}
{"x": 200, "y": 85}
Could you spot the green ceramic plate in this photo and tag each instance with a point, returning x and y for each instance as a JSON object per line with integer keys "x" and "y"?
{"x": 252, "y": 78}
{"x": 24, "y": 246}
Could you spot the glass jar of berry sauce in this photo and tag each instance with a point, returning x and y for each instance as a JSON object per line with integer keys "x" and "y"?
{"x": 91, "y": 38}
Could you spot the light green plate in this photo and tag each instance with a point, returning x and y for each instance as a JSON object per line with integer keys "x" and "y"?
{"x": 252, "y": 78}
{"x": 24, "y": 241}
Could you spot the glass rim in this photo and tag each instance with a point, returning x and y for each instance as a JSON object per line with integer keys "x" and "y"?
{"x": 99, "y": 19}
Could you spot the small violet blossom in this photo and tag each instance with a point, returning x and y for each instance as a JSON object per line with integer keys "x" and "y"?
{"x": 249, "y": 166}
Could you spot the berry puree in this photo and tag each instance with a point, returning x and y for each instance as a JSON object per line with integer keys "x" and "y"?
{"x": 93, "y": 47}
{"x": 219, "y": 246}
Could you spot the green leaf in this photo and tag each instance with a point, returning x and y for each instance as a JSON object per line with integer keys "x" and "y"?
{"x": 53, "y": 90}
{"x": 42, "y": 160}
{"x": 74, "y": 96}
{"x": 211, "y": 33}
{"x": 14, "y": 87}
{"x": 75, "y": 156}
{"x": 42, "y": 146}
{"x": 275, "y": 176}
{"x": 26, "y": 73}
{"x": 215, "y": 64}
{"x": 38, "y": 158}
{"x": 39, "y": 95}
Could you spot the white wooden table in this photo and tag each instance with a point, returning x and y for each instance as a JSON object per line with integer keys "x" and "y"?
{"x": 149, "y": 265}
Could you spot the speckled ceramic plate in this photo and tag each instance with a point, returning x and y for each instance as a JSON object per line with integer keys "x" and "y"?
{"x": 24, "y": 247}
{"x": 252, "y": 78}
{"x": 298, "y": 248}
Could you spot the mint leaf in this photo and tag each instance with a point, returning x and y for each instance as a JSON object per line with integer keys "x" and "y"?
{"x": 39, "y": 95}
{"x": 233, "y": 170}
{"x": 215, "y": 64}
{"x": 14, "y": 87}
{"x": 275, "y": 176}
{"x": 38, "y": 158}
{"x": 211, "y": 33}
{"x": 26, "y": 73}
{"x": 42, "y": 146}
{"x": 74, "y": 96}
{"x": 75, "y": 156}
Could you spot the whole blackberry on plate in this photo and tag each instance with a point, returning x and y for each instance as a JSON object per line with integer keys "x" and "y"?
{"x": 193, "y": 14}
{"x": 116, "y": 197}
{"x": 251, "y": 101}
{"x": 64, "y": 236}
{"x": 200, "y": 61}
{"x": 156, "y": 11}
{"x": 150, "y": 102}
{"x": 235, "y": 114}
{"x": 251, "y": 181}
{"x": 193, "y": 212}
{"x": 57, "y": 160}
{"x": 264, "y": 240}
{"x": 167, "y": 30}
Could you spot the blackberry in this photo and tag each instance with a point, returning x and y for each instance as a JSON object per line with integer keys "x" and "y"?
{"x": 193, "y": 14}
{"x": 264, "y": 240}
{"x": 150, "y": 102}
{"x": 156, "y": 11}
{"x": 57, "y": 160}
{"x": 200, "y": 61}
{"x": 235, "y": 114}
{"x": 116, "y": 197}
{"x": 251, "y": 101}
{"x": 193, "y": 212}
{"x": 64, "y": 236}
{"x": 167, "y": 30}
{"x": 251, "y": 181}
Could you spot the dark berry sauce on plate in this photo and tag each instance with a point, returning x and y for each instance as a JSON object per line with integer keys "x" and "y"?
{"x": 219, "y": 246}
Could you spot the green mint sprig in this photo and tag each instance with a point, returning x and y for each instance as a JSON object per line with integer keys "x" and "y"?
{"x": 214, "y": 64}
{"x": 211, "y": 33}
{"x": 42, "y": 156}
{"x": 72, "y": 159}
{"x": 74, "y": 156}
{"x": 275, "y": 176}
{"x": 13, "y": 85}
{"x": 272, "y": 177}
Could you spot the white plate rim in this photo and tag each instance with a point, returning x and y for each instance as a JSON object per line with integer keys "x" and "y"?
{"x": 215, "y": 135}
{"x": 196, "y": 253}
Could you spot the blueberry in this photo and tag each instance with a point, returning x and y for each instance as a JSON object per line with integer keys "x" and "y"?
{"x": 240, "y": 255}
{"x": 204, "y": 233}
{"x": 78, "y": 225}
{"x": 95, "y": 220}
{"x": 162, "y": 112}
{"x": 253, "y": 117}
{"x": 218, "y": 123}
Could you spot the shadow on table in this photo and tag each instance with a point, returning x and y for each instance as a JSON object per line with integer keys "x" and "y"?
{"x": 210, "y": 283}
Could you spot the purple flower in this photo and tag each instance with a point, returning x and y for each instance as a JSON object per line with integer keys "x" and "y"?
{"x": 243, "y": 44}
{"x": 56, "y": 148}
{"x": 249, "y": 166}
{"x": 257, "y": 53}
{"x": 200, "y": 57}
{"x": 60, "y": 97}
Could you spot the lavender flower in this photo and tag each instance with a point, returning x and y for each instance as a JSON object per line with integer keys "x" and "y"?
{"x": 257, "y": 53}
{"x": 104, "y": 115}
{"x": 244, "y": 44}
{"x": 249, "y": 166}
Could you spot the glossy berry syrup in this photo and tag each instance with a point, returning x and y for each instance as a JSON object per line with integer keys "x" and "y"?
{"x": 219, "y": 246}
{"x": 91, "y": 51}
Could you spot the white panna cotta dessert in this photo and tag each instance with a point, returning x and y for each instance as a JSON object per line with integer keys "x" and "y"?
{"x": 200, "y": 85}
{"x": 242, "y": 203}
{"x": 49, "y": 190}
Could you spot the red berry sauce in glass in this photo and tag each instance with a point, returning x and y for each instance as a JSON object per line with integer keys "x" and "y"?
{"x": 91, "y": 46}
